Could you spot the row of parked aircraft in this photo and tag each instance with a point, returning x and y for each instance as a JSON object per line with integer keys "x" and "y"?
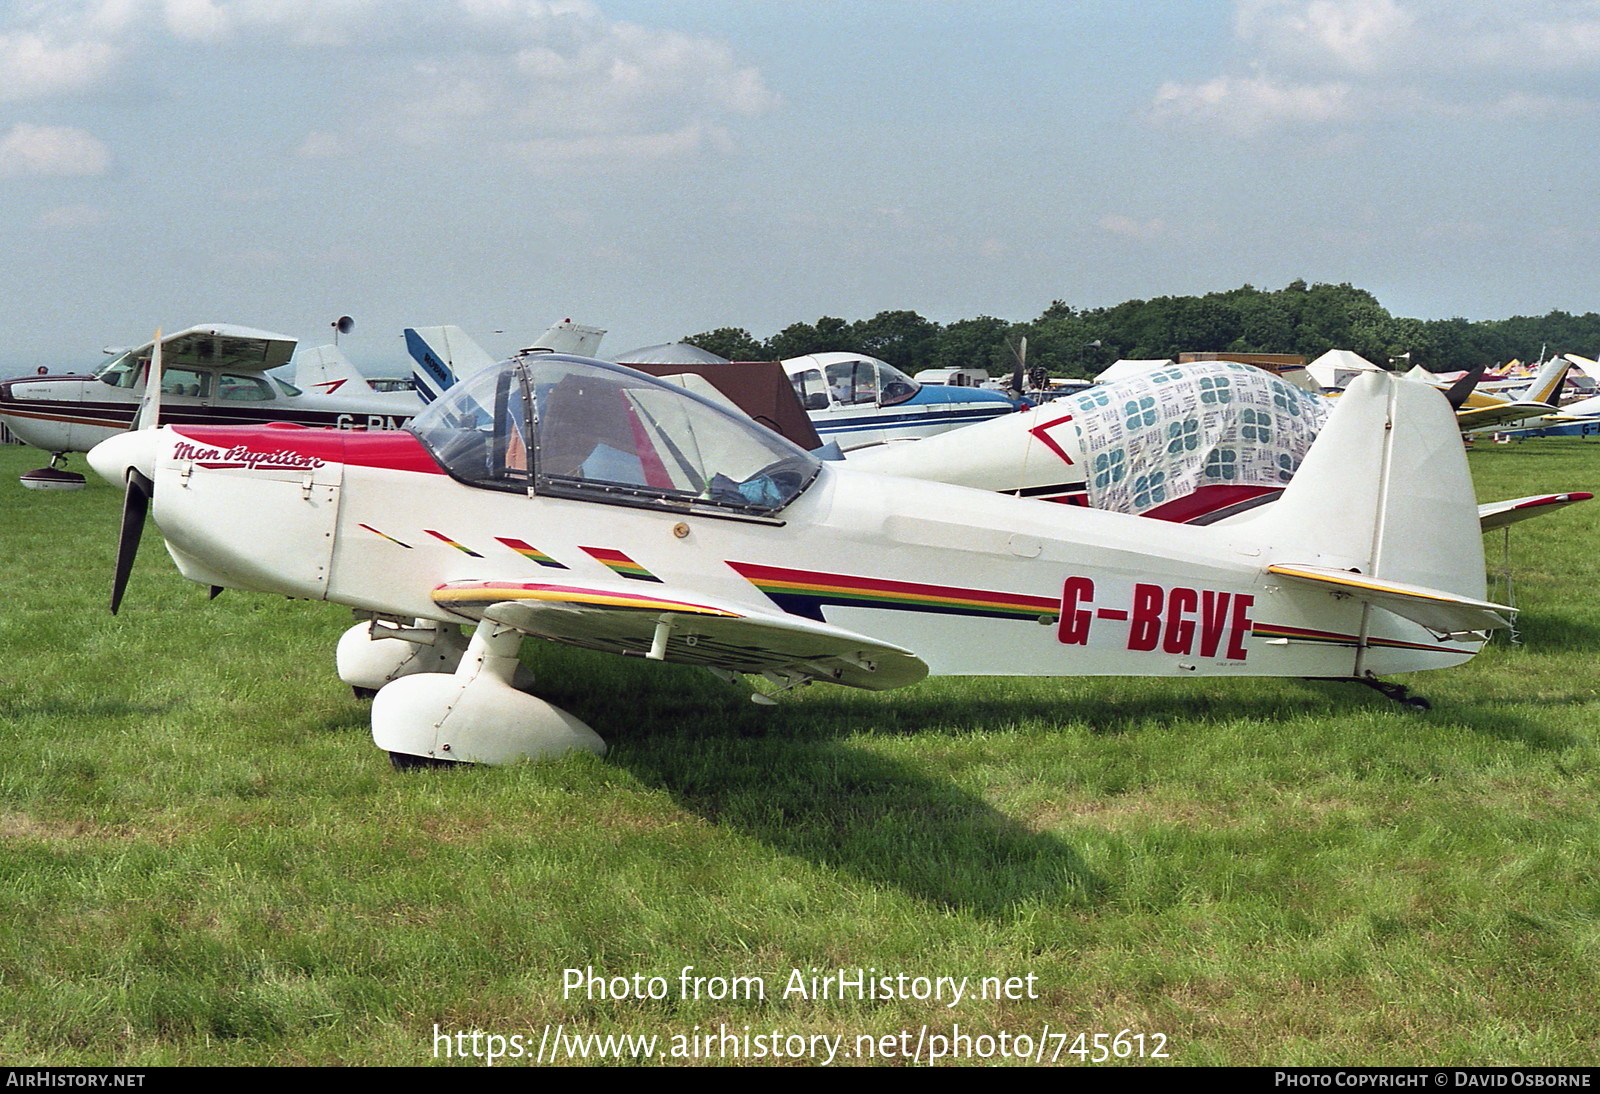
{"x": 588, "y": 503}
{"x": 222, "y": 374}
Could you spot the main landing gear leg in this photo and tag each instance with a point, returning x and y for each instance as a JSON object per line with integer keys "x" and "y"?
{"x": 1398, "y": 693}
{"x": 475, "y": 714}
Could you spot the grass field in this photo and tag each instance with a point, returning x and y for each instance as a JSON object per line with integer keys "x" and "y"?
{"x": 206, "y": 861}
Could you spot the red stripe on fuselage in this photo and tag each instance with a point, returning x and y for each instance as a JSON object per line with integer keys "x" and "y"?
{"x": 395, "y": 450}
{"x": 1207, "y": 500}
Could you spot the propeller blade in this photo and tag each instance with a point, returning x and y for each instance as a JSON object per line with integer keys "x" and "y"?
{"x": 1019, "y": 374}
{"x": 150, "y": 409}
{"x": 1463, "y": 387}
{"x": 135, "y": 505}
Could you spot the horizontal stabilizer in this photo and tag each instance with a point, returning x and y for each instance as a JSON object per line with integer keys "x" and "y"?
{"x": 1498, "y": 514}
{"x": 657, "y": 624}
{"x": 1445, "y": 614}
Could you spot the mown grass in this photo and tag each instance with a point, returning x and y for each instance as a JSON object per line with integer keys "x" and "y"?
{"x": 205, "y": 860}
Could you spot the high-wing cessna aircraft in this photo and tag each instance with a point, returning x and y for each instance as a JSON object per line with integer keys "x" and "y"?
{"x": 213, "y": 373}
{"x": 589, "y": 504}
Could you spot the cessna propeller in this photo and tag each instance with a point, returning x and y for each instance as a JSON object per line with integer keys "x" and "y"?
{"x": 139, "y": 488}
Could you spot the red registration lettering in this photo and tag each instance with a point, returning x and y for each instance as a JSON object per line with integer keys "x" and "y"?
{"x": 1179, "y": 637}
{"x": 1144, "y": 631}
{"x": 1073, "y": 628}
{"x": 1240, "y": 626}
{"x": 1213, "y": 615}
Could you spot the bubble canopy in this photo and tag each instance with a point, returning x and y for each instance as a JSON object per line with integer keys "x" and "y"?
{"x": 570, "y": 427}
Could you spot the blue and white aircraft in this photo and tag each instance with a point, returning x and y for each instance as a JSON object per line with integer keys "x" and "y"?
{"x": 855, "y": 400}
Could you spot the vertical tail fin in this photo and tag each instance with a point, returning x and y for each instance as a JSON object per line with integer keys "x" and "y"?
{"x": 441, "y": 355}
{"x": 1546, "y": 386}
{"x": 569, "y": 337}
{"x": 1384, "y": 492}
{"x": 327, "y": 370}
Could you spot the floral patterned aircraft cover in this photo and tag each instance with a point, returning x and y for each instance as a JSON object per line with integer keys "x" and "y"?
{"x": 1161, "y": 436}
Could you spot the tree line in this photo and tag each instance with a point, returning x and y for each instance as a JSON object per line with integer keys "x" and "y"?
{"x": 1068, "y": 341}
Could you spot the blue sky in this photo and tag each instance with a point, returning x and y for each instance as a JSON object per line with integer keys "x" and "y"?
{"x": 660, "y": 168}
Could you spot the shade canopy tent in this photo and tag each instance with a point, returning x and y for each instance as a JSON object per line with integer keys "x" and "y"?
{"x": 1122, "y": 370}
{"x": 1337, "y": 367}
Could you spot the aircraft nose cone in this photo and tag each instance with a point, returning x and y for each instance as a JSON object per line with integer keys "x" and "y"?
{"x": 112, "y": 457}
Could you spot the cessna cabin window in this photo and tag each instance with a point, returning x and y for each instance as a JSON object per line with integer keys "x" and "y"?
{"x": 568, "y": 427}
{"x": 123, "y": 370}
{"x": 244, "y": 389}
{"x": 185, "y": 381}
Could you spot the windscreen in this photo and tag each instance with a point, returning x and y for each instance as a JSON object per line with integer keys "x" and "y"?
{"x": 571, "y": 427}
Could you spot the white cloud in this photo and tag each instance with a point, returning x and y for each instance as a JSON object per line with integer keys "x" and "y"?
{"x": 1356, "y": 60}
{"x": 558, "y": 154}
{"x": 320, "y": 145}
{"x": 559, "y": 83}
{"x": 554, "y": 80}
{"x": 1248, "y": 104}
{"x": 51, "y": 150}
{"x": 38, "y": 65}
{"x": 1341, "y": 34}
{"x": 1129, "y": 228}
{"x": 302, "y": 22}
{"x": 66, "y": 47}
{"x": 1155, "y": 229}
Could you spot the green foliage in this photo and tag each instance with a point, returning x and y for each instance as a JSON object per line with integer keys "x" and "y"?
{"x": 1308, "y": 319}
{"x": 734, "y": 343}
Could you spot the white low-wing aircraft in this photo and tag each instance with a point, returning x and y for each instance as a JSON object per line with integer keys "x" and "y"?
{"x": 1201, "y": 443}
{"x": 858, "y": 401}
{"x": 589, "y": 504}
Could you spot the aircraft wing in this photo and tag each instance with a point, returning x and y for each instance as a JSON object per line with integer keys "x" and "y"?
{"x": 222, "y": 345}
{"x": 689, "y": 629}
{"x": 1498, "y": 514}
{"x": 1482, "y": 417}
{"x": 1442, "y": 613}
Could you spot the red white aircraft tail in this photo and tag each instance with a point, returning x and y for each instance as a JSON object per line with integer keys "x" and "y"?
{"x": 325, "y": 369}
